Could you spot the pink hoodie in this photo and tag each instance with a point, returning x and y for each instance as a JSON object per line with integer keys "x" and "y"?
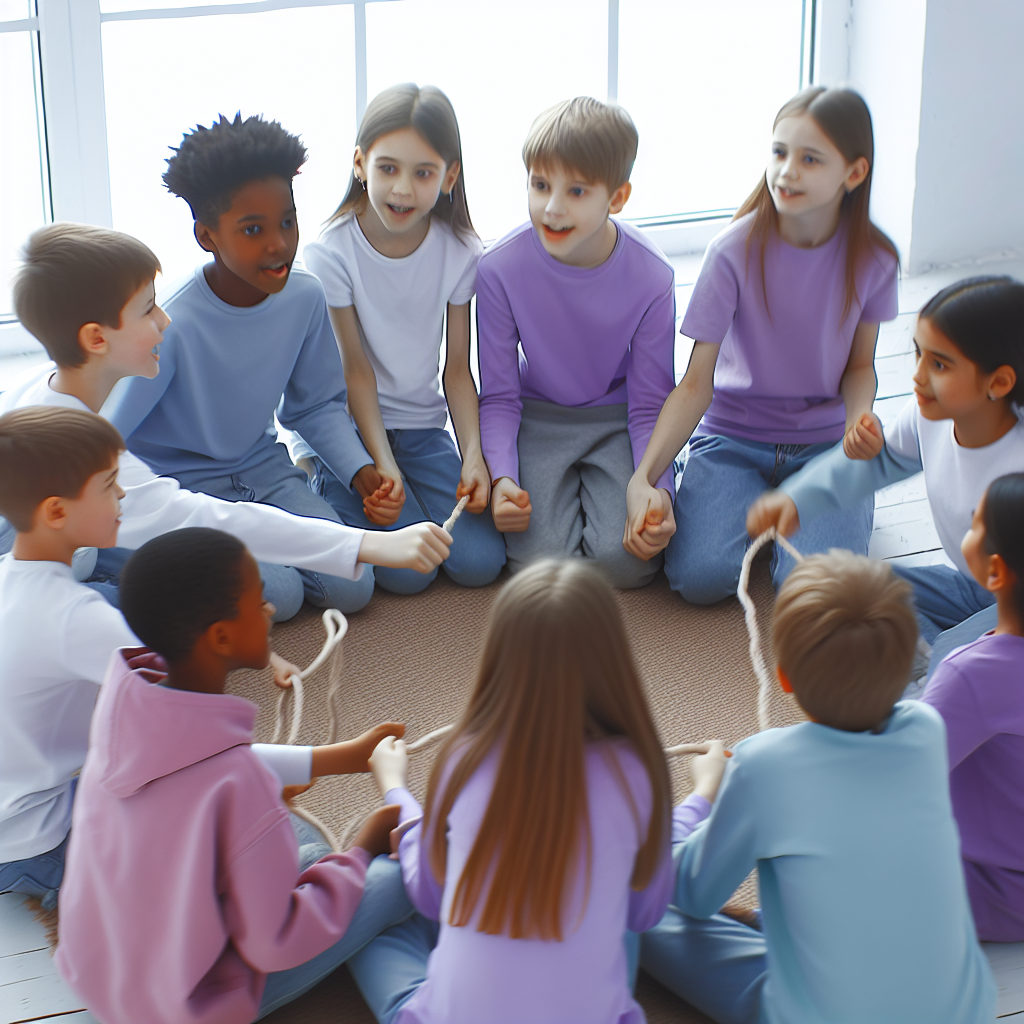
{"x": 182, "y": 889}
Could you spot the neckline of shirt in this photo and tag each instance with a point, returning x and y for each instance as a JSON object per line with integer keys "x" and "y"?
{"x": 363, "y": 242}
{"x": 225, "y": 307}
{"x": 571, "y": 271}
{"x": 957, "y": 446}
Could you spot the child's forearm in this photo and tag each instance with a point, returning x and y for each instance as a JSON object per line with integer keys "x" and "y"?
{"x": 464, "y": 406}
{"x": 677, "y": 420}
{"x": 858, "y": 386}
{"x": 365, "y": 409}
{"x": 346, "y": 758}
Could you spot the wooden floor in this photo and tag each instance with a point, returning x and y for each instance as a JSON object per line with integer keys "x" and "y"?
{"x": 30, "y": 989}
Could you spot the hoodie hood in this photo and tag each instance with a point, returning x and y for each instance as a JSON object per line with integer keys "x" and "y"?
{"x": 143, "y": 731}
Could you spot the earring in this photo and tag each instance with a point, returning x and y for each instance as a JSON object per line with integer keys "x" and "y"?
{"x": 991, "y": 397}
{"x": 450, "y": 199}
{"x": 362, "y": 181}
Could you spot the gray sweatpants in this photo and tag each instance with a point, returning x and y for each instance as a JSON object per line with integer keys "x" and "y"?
{"x": 575, "y": 464}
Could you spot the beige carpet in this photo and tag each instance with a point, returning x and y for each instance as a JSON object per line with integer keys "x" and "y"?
{"x": 412, "y": 659}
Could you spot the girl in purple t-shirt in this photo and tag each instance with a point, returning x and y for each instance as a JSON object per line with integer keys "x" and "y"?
{"x": 979, "y": 691}
{"x": 784, "y": 316}
{"x": 546, "y": 830}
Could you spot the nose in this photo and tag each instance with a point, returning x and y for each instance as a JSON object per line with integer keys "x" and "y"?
{"x": 554, "y": 206}
{"x": 119, "y": 491}
{"x": 162, "y": 319}
{"x": 919, "y": 377}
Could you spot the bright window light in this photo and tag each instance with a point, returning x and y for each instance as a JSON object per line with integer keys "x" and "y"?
{"x": 15, "y": 10}
{"x": 117, "y": 6}
{"x": 22, "y": 187}
{"x": 162, "y": 77}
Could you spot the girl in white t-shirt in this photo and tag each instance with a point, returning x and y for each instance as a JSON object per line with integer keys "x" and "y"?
{"x": 969, "y": 341}
{"x": 397, "y": 256}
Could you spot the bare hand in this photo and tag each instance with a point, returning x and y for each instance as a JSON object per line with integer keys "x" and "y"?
{"x": 510, "y": 506}
{"x": 773, "y": 508}
{"x": 365, "y": 744}
{"x": 476, "y": 482}
{"x": 389, "y": 763}
{"x": 422, "y": 546}
{"x": 707, "y": 770}
{"x": 384, "y": 506}
{"x": 366, "y": 481}
{"x": 375, "y": 835}
{"x": 864, "y": 440}
{"x": 650, "y": 520}
{"x": 283, "y": 671}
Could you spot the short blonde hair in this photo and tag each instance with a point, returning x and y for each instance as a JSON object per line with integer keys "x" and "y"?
{"x": 844, "y": 633}
{"x": 597, "y": 140}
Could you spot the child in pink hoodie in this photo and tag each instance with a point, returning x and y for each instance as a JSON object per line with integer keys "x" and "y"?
{"x": 184, "y": 897}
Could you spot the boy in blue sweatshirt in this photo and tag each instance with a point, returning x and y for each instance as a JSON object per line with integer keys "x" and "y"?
{"x": 847, "y": 819}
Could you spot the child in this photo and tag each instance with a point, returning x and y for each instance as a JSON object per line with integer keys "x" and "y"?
{"x": 847, "y": 819}
{"x": 397, "y": 256}
{"x": 970, "y": 369}
{"x": 87, "y": 294}
{"x": 784, "y": 316}
{"x": 979, "y": 691}
{"x": 59, "y": 487}
{"x": 591, "y": 305}
{"x": 545, "y": 834}
{"x": 171, "y": 793}
{"x": 250, "y": 338}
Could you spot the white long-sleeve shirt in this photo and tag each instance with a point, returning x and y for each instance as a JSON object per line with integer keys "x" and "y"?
{"x": 154, "y": 505}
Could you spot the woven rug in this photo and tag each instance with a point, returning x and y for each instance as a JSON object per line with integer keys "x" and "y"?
{"x": 413, "y": 659}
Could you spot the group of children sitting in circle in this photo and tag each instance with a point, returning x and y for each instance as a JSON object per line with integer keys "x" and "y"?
{"x": 152, "y": 547}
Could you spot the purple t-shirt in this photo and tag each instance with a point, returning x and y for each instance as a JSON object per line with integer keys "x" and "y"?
{"x": 779, "y": 367}
{"x": 575, "y": 336}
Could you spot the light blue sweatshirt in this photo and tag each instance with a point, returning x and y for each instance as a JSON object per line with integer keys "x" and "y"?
{"x": 225, "y": 370}
{"x": 865, "y": 908}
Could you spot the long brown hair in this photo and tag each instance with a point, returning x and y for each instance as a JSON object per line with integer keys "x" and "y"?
{"x": 556, "y": 671}
{"x": 427, "y": 110}
{"x": 844, "y": 117}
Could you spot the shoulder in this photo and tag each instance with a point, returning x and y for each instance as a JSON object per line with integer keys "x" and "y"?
{"x": 881, "y": 261}
{"x": 469, "y": 246}
{"x": 303, "y": 286}
{"x": 31, "y": 388}
{"x": 181, "y": 290}
{"x": 731, "y": 241}
{"x": 917, "y": 720}
{"x": 335, "y": 242}
{"x": 508, "y": 250}
{"x": 638, "y": 247}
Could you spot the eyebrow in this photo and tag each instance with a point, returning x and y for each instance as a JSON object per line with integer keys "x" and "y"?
{"x": 934, "y": 352}
{"x": 112, "y": 474}
{"x": 259, "y": 216}
{"x": 396, "y": 160}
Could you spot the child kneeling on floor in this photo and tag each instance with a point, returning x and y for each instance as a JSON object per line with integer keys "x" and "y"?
{"x": 847, "y": 819}
{"x": 171, "y": 793}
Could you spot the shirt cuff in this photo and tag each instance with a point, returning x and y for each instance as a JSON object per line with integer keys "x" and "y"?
{"x": 410, "y": 806}
{"x": 293, "y": 765}
{"x": 688, "y": 815}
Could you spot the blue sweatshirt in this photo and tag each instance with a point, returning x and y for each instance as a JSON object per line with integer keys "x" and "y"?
{"x": 225, "y": 370}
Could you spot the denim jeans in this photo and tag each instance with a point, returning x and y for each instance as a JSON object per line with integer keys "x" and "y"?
{"x": 384, "y": 904}
{"x": 430, "y": 467}
{"x": 38, "y": 876}
{"x": 952, "y": 610}
{"x": 721, "y": 479}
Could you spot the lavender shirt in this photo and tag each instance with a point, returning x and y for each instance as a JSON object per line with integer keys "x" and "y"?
{"x": 491, "y": 979}
{"x": 574, "y": 336}
{"x": 779, "y": 367}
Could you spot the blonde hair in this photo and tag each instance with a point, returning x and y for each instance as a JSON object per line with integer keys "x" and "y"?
{"x": 556, "y": 672}
{"x": 844, "y": 632}
{"x": 597, "y": 140}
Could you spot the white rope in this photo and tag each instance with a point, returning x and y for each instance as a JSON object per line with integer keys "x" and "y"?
{"x": 456, "y": 512}
{"x": 765, "y": 682}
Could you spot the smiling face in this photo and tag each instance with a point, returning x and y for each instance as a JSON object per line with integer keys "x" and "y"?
{"x": 570, "y": 215}
{"x": 91, "y": 520}
{"x": 806, "y": 172}
{"x": 947, "y": 384}
{"x": 257, "y": 237}
{"x": 134, "y": 347}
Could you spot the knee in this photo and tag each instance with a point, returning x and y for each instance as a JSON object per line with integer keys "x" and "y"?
{"x": 699, "y": 580}
{"x": 405, "y": 582}
{"x": 348, "y": 596}
{"x": 282, "y": 587}
{"x": 480, "y": 568}
{"x": 624, "y": 570}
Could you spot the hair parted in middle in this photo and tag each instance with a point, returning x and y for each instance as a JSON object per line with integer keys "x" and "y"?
{"x": 556, "y": 673}
{"x": 596, "y": 140}
{"x": 844, "y": 632}
{"x": 50, "y": 452}
{"x": 844, "y": 117}
{"x": 429, "y": 112}
{"x": 211, "y": 164}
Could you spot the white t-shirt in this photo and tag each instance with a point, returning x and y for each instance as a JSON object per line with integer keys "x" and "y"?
{"x": 955, "y": 477}
{"x": 400, "y": 304}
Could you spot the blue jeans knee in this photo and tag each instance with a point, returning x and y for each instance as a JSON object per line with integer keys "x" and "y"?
{"x": 282, "y": 587}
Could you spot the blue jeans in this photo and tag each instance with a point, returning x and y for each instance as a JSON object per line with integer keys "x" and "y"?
{"x": 952, "y": 610}
{"x": 430, "y": 467}
{"x": 384, "y": 904}
{"x": 722, "y": 477}
{"x": 38, "y": 876}
{"x": 718, "y": 965}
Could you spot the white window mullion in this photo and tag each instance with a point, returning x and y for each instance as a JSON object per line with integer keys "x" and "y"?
{"x": 613, "y": 50}
{"x": 76, "y": 121}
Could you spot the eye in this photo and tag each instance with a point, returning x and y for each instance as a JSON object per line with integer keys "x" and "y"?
{"x": 576, "y": 191}
{"x": 424, "y": 173}
{"x": 288, "y": 223}
{"x": 938, "y": 365}
{"x": 540, "y": 186}
{"x": 252, "y": 230}
{"x": 386, "y": 168}
{"x": 778, "y": 150}
{"x": 810, "y": 159}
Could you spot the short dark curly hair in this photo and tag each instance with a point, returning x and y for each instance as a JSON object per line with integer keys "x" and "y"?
{"x": 211, "y": 164}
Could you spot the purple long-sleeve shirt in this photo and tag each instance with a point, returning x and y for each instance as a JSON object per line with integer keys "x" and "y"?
{"x": 578, "y": 337}
{"x": 492, "y": 979}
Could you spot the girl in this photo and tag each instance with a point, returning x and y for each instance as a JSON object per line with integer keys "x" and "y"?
{"x": 397, "y": 254}
{"x": 546, "y": 830}
{"x": 969, "y": 341}
{"x": 979, "y": 691}
{"x": 791, "y": 295}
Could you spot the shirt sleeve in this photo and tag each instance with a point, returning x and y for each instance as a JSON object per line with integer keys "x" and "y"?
{"x": 715, "y": 298}
{"x": 649, "y": 376}
{"x": 466, "y": 286}
{"x": 91, "y": 632}
{"x": 501, "y": 403}
{"x": 313, "y": 403}
{"x": 328, "y": 266}
{"x": 424, "y": 890}
{"x": 882, "y": 302}
{"x": 951, "y": 694}
{"x": 292, "y": 764}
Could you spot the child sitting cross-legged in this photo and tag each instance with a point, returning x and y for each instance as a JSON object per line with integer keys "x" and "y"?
{"x": 545, "y": 834}
{"x": 186, "y": 898}
{"x": 847, "y": 819}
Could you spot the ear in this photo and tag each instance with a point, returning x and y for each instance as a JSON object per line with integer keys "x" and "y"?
{"x": 51, "y": 513}
{"x": 620, "y": 197}
{"x": 359, "y": 163}
{"x": 450, "y": 177}
{"x": 220, "y": 639}
{"x": 1000, "y": 575}
{"x": 856, "y": 174}
{"x": 784, "y": 682}
{"x": 92, "y": 341}
{"x": 204, "y": 237}
{"x": 1001, "y": 382}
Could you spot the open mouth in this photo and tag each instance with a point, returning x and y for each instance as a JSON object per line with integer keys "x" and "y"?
{"x": 400, "y": 211}
{"x": 557, "y": 234}
{"x": 276, "y": 270}
{"x": 923, "y": 399}
{"x": 787, "y": 193}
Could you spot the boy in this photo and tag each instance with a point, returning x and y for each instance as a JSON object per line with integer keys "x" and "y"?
{"x": 186, "y": 898}
{"x": 591, "y": 304}
{"x": 249, "y": 338}
{"x": 59, "y": 488}
{"x": 88, "y": 295}
{"x": 847, "y": 818}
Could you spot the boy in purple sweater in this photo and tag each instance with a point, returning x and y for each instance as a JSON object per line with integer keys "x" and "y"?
{"x": 576, "y": 314}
